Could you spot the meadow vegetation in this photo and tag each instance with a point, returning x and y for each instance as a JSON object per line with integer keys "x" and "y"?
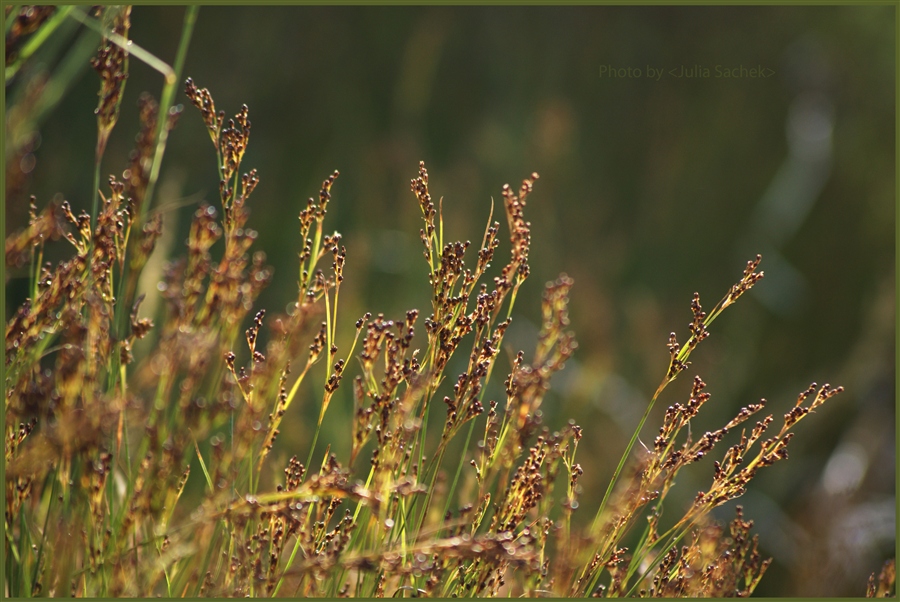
{"x": 143, "y": 472}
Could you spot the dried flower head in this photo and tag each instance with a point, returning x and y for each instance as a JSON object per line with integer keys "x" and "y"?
{"x": 111, "y": 63}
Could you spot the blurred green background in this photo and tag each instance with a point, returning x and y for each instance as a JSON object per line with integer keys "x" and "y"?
{"x": 651, "y": 188}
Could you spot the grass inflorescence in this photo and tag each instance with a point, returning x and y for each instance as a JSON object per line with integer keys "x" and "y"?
{"x": 151, "y": 473}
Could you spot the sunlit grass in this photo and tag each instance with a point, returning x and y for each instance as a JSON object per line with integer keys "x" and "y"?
{"x": 143, "y": 477}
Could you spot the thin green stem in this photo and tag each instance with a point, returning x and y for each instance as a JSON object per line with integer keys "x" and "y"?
{"x": 173, "y": 76}
{"x": 80, "y": 15}
{"x": 430, "y": 494}
{"x": 95, "y": 189}
{"x": 11, "y": 17}
{"x": 312, "y": 448}
{"x": 656, "y": 560}
{"x": 621, "y": 465}
{"x": 459, "y": 469}
{"x": 37, "y": 40}
{"x": 71, "y": 66}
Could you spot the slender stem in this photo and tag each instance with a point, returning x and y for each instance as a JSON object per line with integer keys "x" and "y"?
{"x": 458, "y": 469}
{"x": 34, "y": 274}
{"x": 80, "y": 15}
{"x": 71, "y": 66}
{"x": 37, "y": 40}
{"x": 11, "y": 17}
{"x": 51, "y": 475}
{"x": 430, "y": 494}
{"x": 312, "y": 448}
{"x": 95, "y": 189}
{"x": 622, "y": 460}
{"x": 172, "y": 75}
{"x": 656, "y": 560}
{"x": 165, "y": 102}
